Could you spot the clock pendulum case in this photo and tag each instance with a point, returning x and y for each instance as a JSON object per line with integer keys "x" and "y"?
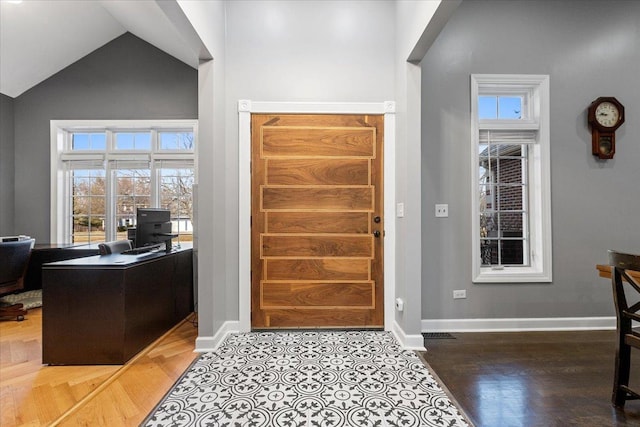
{"x": 604, "y": 116}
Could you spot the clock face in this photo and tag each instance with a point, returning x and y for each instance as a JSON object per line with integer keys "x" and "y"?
{"x": 607, "y": 114}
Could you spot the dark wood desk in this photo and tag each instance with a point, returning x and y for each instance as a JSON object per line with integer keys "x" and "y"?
{"x": 102, "y": 310}
{"x": 43, "y": 253}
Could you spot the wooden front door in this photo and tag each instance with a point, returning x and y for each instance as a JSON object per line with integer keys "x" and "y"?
{"x": 317, "y": 221}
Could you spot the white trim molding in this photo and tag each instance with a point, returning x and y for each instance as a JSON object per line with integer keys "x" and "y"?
{"x": 245, "y": 109}
{"x": 408, "y": 342}
{"x": 205, "y": 344}
{"x": 520, "y": 325}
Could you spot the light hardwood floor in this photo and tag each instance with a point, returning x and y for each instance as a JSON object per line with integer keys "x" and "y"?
{"x": 33, "y": 394}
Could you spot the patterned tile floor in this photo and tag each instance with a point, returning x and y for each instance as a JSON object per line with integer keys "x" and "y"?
{"x": 307, "y": 378}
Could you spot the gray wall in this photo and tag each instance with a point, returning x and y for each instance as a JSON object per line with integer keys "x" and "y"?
{"x": 6, "y": 165}
{"x": 208, "y": 20}
{"x": 589, "y": 49}
{"x": 125, "y": 79}
{"x": 320, "y": 51}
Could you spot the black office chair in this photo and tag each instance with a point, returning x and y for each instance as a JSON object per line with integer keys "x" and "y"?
{"x": 14, "y": 257}
{"x": 621, "y": 264}
{"x": 116, "y": 247}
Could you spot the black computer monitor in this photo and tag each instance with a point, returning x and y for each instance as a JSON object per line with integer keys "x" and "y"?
{"x": 153, "y": 226}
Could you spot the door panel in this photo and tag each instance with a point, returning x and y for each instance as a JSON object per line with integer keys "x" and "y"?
{"x": 318, "y": 318}
{"x": 318, "y": 171}
{"x": 301, "y": 246}
{"x": 317, "y": 269}
{"x": 317, "y": 222}
{"x": 316, "y": 204}
{"x": 288, "y": 295}
{"x": 316, "y": 142}
{"x": 327, "y": 198}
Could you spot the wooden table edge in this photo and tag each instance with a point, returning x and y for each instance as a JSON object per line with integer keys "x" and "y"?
{"x": 605, "y": 271}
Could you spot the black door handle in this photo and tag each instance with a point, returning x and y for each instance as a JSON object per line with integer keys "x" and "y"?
{"x": 376, "y": 233}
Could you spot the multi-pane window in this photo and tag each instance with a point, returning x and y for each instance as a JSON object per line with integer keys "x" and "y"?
{"x": 511, "y": 202}
{"x": 105, "y": 171}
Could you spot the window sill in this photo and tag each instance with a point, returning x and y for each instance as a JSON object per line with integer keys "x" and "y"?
{"x": 512, "y": 275}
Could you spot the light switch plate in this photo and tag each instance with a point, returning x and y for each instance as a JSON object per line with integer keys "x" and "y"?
{"x": 400, "y": 210}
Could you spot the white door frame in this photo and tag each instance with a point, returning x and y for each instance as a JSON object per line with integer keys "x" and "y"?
{"x": 245, "y": 108}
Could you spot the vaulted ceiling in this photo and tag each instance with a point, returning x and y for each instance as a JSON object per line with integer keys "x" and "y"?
{"x": 38, "y": 38}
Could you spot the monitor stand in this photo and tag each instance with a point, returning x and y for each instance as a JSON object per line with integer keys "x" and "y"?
{"x": 167, "y": 243}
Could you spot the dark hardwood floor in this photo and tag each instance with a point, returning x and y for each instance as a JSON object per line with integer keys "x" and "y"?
{"x": 534, "y": 378}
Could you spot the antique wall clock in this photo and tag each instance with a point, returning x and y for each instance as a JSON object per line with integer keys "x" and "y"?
{"x": 605, "y": 115}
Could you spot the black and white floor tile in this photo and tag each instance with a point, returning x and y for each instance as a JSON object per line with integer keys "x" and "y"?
{"x": 307, "y": 378}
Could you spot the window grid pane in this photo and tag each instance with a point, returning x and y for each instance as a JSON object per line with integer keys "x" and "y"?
{"x": 510, "y": 107}
{"x": 133, "y": 191}
{"x": 503, "y": 216}
{"x": 488, "y": 107}
{"x": 133, "y": 141}
{"x": 88, "y": 141}
{"x": 176, "y": 140}
{"x": 176, "y": 194}
{"x": 500, "y": 107}
{"x": 87, "y": 206}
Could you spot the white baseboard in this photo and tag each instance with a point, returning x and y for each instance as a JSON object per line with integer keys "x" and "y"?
{"x": 416, "y": 342}
{"x": 519, "y": 325}
{"x": 205, "y": 344}
{"x": 408, "y": 342}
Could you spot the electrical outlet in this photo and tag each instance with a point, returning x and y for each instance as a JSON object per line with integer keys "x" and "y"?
{"x": 459, "y": 294}
{"x": 442, "y": 211}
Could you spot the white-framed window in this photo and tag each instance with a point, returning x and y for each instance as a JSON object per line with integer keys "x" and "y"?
{"x": 103, "y": 170}
{"x": 511, "y": 188}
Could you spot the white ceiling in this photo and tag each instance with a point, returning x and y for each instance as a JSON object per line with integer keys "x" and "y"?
{"x": 38, "y": 38}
